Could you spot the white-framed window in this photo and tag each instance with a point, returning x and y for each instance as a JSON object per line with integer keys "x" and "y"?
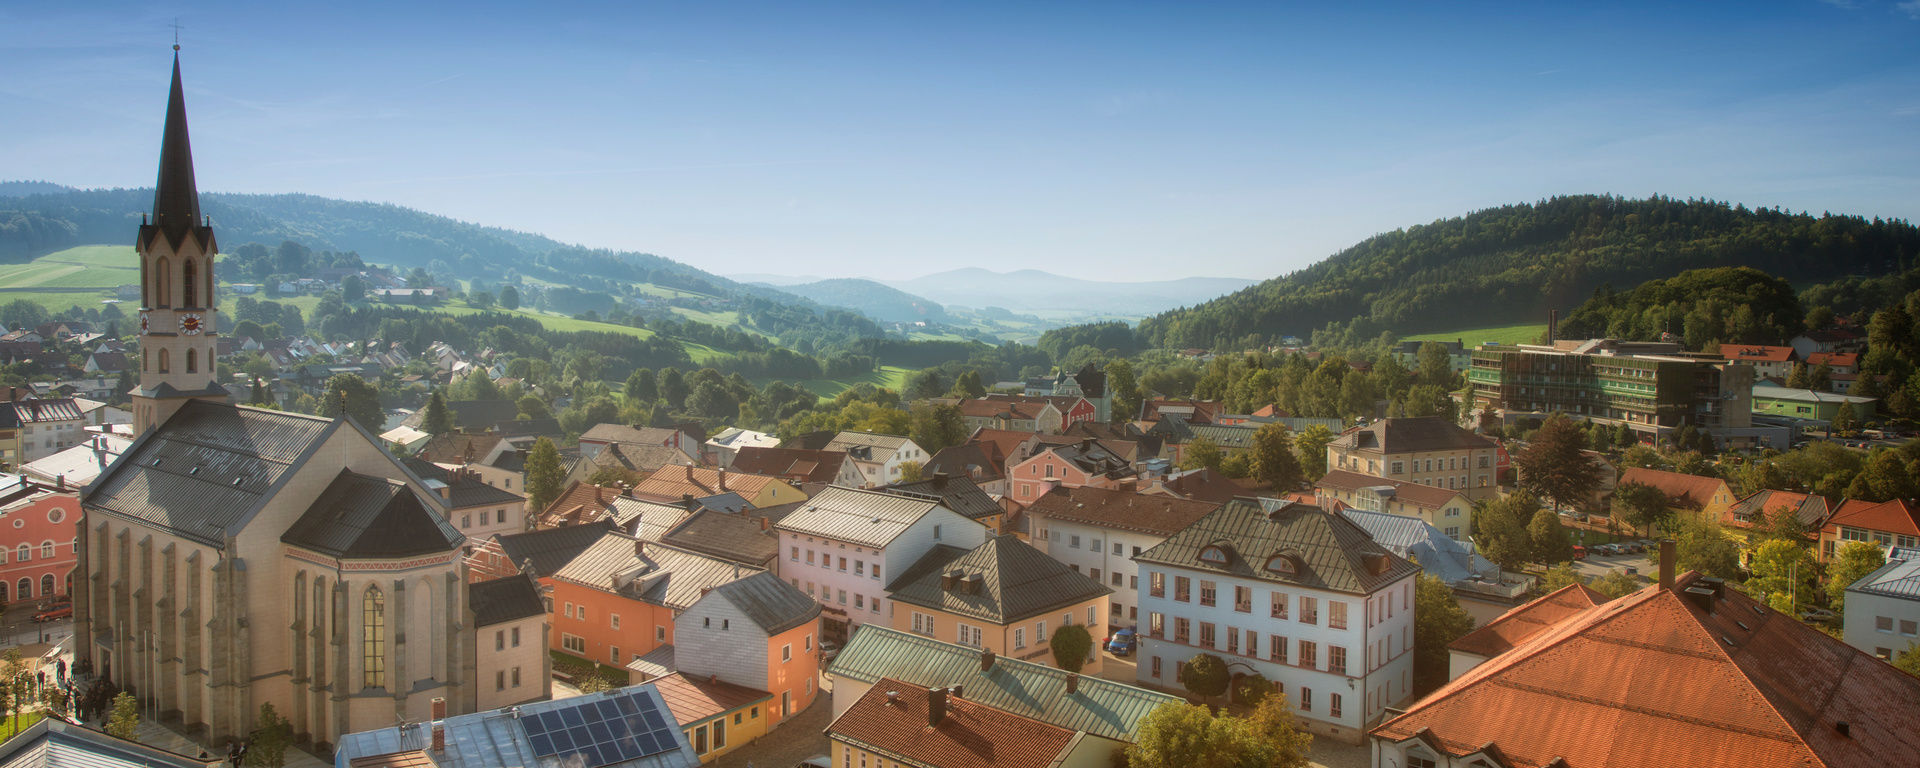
{"x": 969, "y": 636}
{"x": 922, "y": 624}
{"x": 574, "y": 643}
{"x": 786, "y": 653}
{"x": 1019, "y": 638}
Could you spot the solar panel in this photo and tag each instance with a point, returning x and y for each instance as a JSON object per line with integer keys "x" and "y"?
{"x": 616, "y": 729}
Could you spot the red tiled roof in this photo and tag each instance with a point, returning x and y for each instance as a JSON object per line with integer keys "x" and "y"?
{"x": 1424, "y": 496}
{"x": 671, "y": 483}
{"x": 1757, "y": 353}
{"x": 1834, "y": 359}
{"x": 1755, "y": 508}
{"x": 1122, "y": 510}
{"x": 1692, "y": 489}
{"x": 971, "y": 735}
{"x": 803, "y": 465}
{"x": 692, "y": 699}
{"x": 1655, "y": 679}
{"x": 1000, "y": 409}
{"x": 581, "y": 503}
{"x": 1897, "y": 516}
{"x": 1204, "y": 485}
{"x": 1518, "y": 625}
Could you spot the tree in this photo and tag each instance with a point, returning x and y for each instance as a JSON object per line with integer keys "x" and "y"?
{"x": 1200, "y": 453}
{"x": 438, "y": 420}
{"x": 1273, "y": 726}
{"x": 1181, "y": 735}
{"x": 1799, "y": 378}
{"x": 912, "y": 471}
{"x": 1206, "y": 676}
{"x": 1438, "y": 620}
{"x": 1071, "y": 644}
{"x": 1557, "y": 577}
{"x": 1617, "y": 583}
{"x": 1501, "y": 526}
{"x": 353, "y": 289}
{"x": 1701, "y": 545}
{"x": 481, "y": 299}
{"x": 1273, "y": 459}
{"x": 968, "y": 385}
{"x": 268, "y": 746}
{"x": 1549, "y": 538}
{"x": 641, "y": 386}
{"x": 1310, "y": 447}
{"x": 509, "y": 297}
{"x": 1783, "y": 574}
{"x": 1909, "y": 659}
{"x": 1641, "y": 506}
{"x": 1782, "y": 524}
{"x": 1435, "y": 365}
{"x": 1554, "y": 466}
{"x": 673, "y": 387}
{"x": 348, "y": 394}
{"x": 1844, "y": 420}
{"x": 1853, "y": 560}
{"x": 125, "y": 721}
{"x": 936, "y": 426}
{"x": 1123, "y": 391}
{"x": 530, "y": 407}
{"x": 1251, "y": 689}
{"x": 544, "y": 475}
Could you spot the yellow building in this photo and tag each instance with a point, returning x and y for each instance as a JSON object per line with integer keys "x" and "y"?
{"x": 1449, "y": 511}
{"x": 1429, "y": 451}
{"x": 716, "y": 717}
{"x": 1004, "y": 596}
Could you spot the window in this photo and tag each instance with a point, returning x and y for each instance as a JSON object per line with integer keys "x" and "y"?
{"x": 842, "y": 597}
{"x": 843, "y": 565}
{"x": 574, "y": 643}
{"x": 26, "y": 588}
{"x": 500, "y": 640}
{"x": 1180, "y": 627}
{"x": 1336, "y": 659}
{"x": 1233, "y": 640}
{"x": 1157, "y": 584}
{"x": 859, "y": 567}
{"x": 1277, "y": 648}
{"x": 1280, "y": 601}
{"x": 515, "y": 637}
{"x": 1309, "y": 655}
{"x": 793, "y": 554}
{"x": 193, "y": 360}
{"x": 23, "y": 554}
{"x": 1207, "y": 593}
{"x": 1253, "y": 643}
{"x": 1073, "y": 542}
{"x": 1156, "y": 624}
{"x": 806, "y": 643}
{"x": 1094, "y": 574}
{"x": 613, "y": 655}
{"x": 1156, "y": 667}
{"x": 1181, "y": 586}
{"x": 187, "y": 281}
{"x": 46, "y": 551}
{"x": 1309, "y": 610}
{"x": 500, "y": 680}
{"x": 499, "y": 515}
{"x": 1213, "y": 555}
{"x": 1116, "y": 548}
{"x": 516, "y": 677}
{"x": 614, "y": 618}
{"x": 1093, "y": 615}
{"x": 720, "y": 731}
{"x": 1040, "y": 631}
{"x": 922, "y": 624}
{"x": 373, "y": 638}
{"x": 1398, "y": 468}
{"x": 969, "y": 636}
{"x": 1333, "y": 705}
{"x": 1115, "y": 578}
{"x": 876, "y": 571}
{"x": 936, "y": 533}
{"x": 1416, "y": 761}
{"x": 1907, "y": 626}
{"x": 1336, "y": 614}
{"x": 1883, "y": 623}
{"x": 809, "y": 557}
{"x": 1206, "y": 634}
{"x": 1243, "y": 599}
{"x": 786, "y": 653}
{"x": 1019, "y": 638}
{"x": 580, "y": 612}
{"x": 859, "y": 600}
{"x": 659, "y": 633}
{"x": 1306, "y": 699}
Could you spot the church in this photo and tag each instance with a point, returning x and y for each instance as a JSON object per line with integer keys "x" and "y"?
{"x": 239, "y": 556}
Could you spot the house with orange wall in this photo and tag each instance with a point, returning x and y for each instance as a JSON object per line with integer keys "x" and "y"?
{"x": 36, "y": 542}
{"x": 616, "y": 600}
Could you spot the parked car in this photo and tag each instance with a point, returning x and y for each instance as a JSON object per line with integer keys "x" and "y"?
{"x": 55, "y": 612}
{"x": 1122, "y": 641}
{"x": 1579, "y": 552}
{"x": 828, "y": 650}
{"x": 1817, "y": 615}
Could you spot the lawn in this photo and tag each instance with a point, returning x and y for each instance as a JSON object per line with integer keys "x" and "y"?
{"x": 888, "y": 377}
{"x": 1499, "y": 334}
{"x": 27, "y": 719}
{"x": 85, "y": 268}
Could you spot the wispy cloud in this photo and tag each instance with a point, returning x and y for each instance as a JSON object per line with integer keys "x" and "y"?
{"x": 1911, "y": 8}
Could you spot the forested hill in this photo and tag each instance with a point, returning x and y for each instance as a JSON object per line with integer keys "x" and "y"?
{"x": 38, "y": 224}
{"x": 880, "y": 302}
{"x": 1513, "y": 263}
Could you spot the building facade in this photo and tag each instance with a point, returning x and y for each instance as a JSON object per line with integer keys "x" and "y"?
{"x": 1429, "y": 451}
{"x": 844, "y": 544}
{"x": 1654, "y": 389}
{"x": 1098, "y": 532}
{"x": 1003, "y": 596}
{"x": 37, "y": 541}
{"x": 1883, "y": 607}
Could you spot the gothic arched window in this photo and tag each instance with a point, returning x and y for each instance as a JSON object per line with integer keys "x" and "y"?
{"x": 192, "y": 357}
{"x": 187, "y": 284}
{"x": 164, "y": 362}
{"x": 373, "y": 638}
{"x": 160, "y": 298}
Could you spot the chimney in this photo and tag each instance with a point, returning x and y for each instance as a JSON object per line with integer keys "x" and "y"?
{"x": 60, "y": 482}
{"x": 940, "y": 479}
{"x": 599, "y": 494}
{"x": 958, "y": 691}
{"x": 439, "y": 708}
{"x": 1553, "y": 325}
{"x": 1666, "y": 565}
{"x": 764, "y": 524}
{"x": 986, "y": 659}
{"x": 1701, "y": 597}
{"x": 1073, "y": 682}
{"x": 893, "y": 698}
{"x": 439, "y": 728}
{"x": 936, "y": 706}
{"x": 639, "y": 547}
{"x": 947, "y": 579}
{"x": 723, "y": 479}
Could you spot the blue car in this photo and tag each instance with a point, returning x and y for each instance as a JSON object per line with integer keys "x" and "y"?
{"x": 1121, "y": 642}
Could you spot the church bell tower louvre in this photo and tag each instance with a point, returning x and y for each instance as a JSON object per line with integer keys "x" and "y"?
{"x": 177, "y": 306}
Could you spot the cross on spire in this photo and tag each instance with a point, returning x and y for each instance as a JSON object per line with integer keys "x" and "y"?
{"x": 176, "y": 33}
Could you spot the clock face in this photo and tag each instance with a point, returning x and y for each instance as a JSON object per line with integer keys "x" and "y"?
{"x": 190, "y": 324}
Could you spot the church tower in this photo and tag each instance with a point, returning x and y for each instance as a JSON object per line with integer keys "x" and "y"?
{"x": 177, "y": 309}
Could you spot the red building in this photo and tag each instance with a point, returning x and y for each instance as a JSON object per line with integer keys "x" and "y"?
{"x": 37, "y": 530}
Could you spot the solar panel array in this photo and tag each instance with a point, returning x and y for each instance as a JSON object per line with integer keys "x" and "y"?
{"x": 602, "y": 732}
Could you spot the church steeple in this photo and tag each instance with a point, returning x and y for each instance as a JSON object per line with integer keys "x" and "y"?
{"x": 178, "y": 312}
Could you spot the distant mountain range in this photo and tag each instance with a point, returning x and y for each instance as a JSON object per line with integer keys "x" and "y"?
{"x": 1026, "y": 290}
{"x": 880, "y": 302}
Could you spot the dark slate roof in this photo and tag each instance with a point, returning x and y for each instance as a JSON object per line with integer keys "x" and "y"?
{"x": 362, "y": 516}
{"x": 1092, "y": 381}
{"x": 480, "y": 414}
{"x": 1412, "y": 435}
{"x": 176, "y": 198}
{"x": 502, "y": 600}
{"x": 207, "y": 469}
{"x": 959, "y": 494}
{"x": 1329, "y": 551}
{"x": 550, "y": 549}
{"x": 774, "y": 605}
{"x": 1016, "y": 581}
{"x": 968, "y": 459}
{"x": 547, "y": 425}
{"x": 732, "y": 537}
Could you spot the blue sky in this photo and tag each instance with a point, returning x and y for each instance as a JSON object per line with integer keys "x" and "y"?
{"x": 895, "y": 139}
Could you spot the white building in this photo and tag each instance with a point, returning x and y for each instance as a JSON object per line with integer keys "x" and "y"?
{"x": 1883, "y": 607}
{"x": 724, "y": 446}
{"x": 1290, "y": 591}
{"x": 47, "y": 426}
{"x": 512, "y": 662}
{"x": 878, "y": 456}
{"x": 843, "y": 545}
{"x": 1098, "y": 531}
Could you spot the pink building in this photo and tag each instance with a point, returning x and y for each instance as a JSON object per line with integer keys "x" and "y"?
{"x": 1085, "y": 464}
{"x": 37, "y": 529}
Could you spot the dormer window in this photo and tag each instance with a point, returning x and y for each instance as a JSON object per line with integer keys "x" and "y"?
{"x": 1214, "y": 554}
{"x": 1284, "y": 565}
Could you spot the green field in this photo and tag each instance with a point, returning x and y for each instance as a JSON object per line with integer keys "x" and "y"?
{"x": 1501, "y": 334}
{"x": 88, "y": 268}
{"x": 888, "y": 377}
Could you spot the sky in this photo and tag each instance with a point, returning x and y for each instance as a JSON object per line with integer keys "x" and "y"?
{"x": 1109, "y": 140}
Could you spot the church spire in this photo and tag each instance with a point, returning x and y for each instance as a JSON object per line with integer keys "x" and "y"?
{"x": 176, "y": 201}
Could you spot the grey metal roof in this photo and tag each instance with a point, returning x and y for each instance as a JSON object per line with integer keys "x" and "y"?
{"x": 870, "y": 518}
{"x": 958, "y": 493}
{"x": 733, "y": 537}
{"x": 1898, "y": 578}
{"x": 1412, "y": 538}
{"x": 658, "y": 662}
{"x": 1224, "y": 435}
{"x": 648, "y": 520}
{"x": 507, "y": 599}
{"x": 362, "y": 516}
{"x": 550, "y": 549}
{"x": 496, "y": 739}
{"x": 55, "y": 743}
{"x": 774, "y": 605}
{"x": 1098, "y": 706}
{"x": 664, "y": 575}
{"x": 206, "y": 469}
{"x": 1330, "y": 551}
{"x": 1017, "y": 581}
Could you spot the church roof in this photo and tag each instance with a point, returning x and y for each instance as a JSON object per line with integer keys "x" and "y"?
{"x": 176, "y": 199}
{"x": 361, "y": 516}
{"x": 206, "y": 470}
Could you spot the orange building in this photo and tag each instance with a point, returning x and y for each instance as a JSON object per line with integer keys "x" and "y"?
{"x": 616, "y": 600}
